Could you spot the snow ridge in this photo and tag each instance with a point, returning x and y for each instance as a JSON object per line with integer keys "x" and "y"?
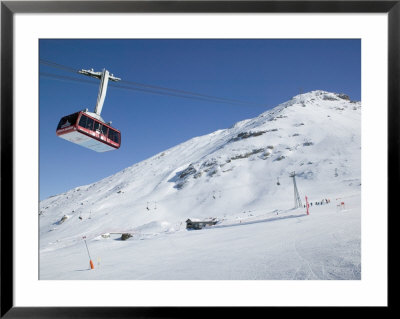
{"x": 236, "y": 174}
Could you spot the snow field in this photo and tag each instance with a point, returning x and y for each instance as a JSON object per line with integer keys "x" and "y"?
{"x": 232, "y": 175}
{"x": 287, "y": 246}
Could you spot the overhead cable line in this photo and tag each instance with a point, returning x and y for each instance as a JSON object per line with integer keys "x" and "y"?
{"x": 57, "y": 65}
{"x": 172, "y": 94}
{"x": 164, "y": 90}
{"x": 190, "y": 93}
{"x": 69, "y": 78}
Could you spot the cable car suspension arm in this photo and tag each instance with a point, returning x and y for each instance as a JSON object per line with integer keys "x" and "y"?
{"x": 104, "y": 76}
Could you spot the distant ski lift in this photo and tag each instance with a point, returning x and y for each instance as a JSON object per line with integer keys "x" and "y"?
{"x": 88, "y": 129}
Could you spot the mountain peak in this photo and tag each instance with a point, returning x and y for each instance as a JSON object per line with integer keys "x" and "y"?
{"x": 239, "y": 176}
{"x": 222, "y": 174}
{"x": 320, "y": 95}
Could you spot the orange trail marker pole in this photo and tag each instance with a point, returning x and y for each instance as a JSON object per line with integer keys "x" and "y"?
{"x": 307, "y": 205}
{"x": 90, "y": 259}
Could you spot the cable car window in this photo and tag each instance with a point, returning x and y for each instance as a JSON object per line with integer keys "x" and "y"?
{"x": 89, "y": 123}
{"x": 86, "y": 122}
{"x": 83, "y": 121}
{"x": 113, "y": 135}
{"x": 67, "y": 121}
{"x": 104, "y": 130}
{"x": 97, "y": 126}
{"x": 116, "y": 137}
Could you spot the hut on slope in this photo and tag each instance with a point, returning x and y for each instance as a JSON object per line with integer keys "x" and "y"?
{"x": 199, "y": 224}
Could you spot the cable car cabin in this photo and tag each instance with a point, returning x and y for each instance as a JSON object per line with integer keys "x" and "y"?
{"x": 89, "y": 132}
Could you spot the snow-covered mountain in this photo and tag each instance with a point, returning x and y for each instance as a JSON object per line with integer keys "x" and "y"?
{"x": 239, "y": 175}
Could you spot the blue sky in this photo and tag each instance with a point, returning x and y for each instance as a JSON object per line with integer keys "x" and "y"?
{"x": 264, "y": 73}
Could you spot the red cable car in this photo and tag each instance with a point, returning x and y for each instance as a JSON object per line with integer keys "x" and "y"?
{"x": 89, "y": 129}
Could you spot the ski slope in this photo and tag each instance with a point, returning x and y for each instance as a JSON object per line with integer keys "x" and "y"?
{"x": 231, "y": 175}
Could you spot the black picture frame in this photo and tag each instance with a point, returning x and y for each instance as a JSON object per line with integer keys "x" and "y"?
{"x": 9, "y": 8}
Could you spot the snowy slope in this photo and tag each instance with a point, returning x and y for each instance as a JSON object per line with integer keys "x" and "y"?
{"x": 232, "y": 175}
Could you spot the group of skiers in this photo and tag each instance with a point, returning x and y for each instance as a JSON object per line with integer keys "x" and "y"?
{"x": 322, "y": 202}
